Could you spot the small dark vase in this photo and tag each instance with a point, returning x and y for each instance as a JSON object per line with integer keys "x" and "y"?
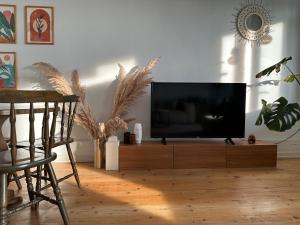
{"x": 132, "y": 139}
{"x": 127, "y": 138}
{"x": 251, "y": 139}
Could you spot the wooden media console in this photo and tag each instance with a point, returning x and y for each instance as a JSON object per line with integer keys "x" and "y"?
{"x": 189, "y": 155}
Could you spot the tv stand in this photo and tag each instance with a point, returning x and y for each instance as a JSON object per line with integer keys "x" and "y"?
{"x": 191, "y": 155}
{"x": 164, "y": 141}
{"x": 229, "y": 140}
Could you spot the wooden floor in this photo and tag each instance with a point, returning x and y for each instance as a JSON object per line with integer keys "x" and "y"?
{"x": 202, "y": 196}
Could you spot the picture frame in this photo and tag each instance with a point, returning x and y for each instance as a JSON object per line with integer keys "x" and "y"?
{"x": 39, "y": 25}
{"x": 8, "y": 70}
{"x": 8, "y": 26}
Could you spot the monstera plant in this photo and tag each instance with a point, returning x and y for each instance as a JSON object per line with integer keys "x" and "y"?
{"x": 279, "y": 115}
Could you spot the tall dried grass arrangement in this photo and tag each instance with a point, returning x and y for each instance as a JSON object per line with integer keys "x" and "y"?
{"x": 130, "y": 86}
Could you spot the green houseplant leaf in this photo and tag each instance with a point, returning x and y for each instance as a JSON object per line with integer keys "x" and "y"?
{"x": 279, "y": 115}
{"x": 276, "y": 67}
{"x": 292, "y": 78}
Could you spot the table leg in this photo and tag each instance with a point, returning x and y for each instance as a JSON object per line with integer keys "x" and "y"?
{"x": 3, "y": 145}
{"x": 3, "y": 199}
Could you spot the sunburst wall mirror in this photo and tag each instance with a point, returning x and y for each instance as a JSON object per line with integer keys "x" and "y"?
{"x": 253, "y": 22}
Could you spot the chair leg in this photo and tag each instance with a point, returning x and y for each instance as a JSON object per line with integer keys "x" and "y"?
{"x": 9, "y": 178}
{"x": 45, "y": 175}
{"x": 57, "y": 193}
{"x": 73, "y": 164}
{"x": 29, "y": 184}
{"x": 16, "y": 178}
{"x": 38, "y": 186}
{"x": 3, "y": 199}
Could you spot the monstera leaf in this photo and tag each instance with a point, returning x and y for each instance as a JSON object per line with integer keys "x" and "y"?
{"x": 276, "y": 67}
{"x": 279, "y": 115}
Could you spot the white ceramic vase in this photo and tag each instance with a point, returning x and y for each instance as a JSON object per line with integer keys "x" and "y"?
{"x": 138, "y": 133}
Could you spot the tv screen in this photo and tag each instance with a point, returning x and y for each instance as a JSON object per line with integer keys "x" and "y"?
{"x": 206, "y": 110}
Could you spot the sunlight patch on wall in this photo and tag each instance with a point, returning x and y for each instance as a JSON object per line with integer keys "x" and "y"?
{"x": 227, "y": 69}
{"x": 269, "y": 55}
{"x": 108, "y": 72}
{"x": 248, "y": 74}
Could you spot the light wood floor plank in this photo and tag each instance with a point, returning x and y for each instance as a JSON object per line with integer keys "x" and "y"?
{"x": 176, "y": 197}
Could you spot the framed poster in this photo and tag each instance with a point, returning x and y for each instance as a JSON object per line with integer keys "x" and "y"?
{"x": 39, "y": 27}
{"x": 7, "y": 24}
{"x": 8, "y": 70}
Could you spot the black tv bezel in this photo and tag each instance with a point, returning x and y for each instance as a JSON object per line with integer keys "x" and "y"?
{"x": 202, "y": 136}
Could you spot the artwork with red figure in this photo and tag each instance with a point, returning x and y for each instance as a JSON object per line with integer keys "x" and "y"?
{"x": 39, "y": 25}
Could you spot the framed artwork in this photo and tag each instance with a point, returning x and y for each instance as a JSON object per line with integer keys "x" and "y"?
{"x": 39, "y": 25}
{"x": 8, "y": 70}
{"x": 7, "y": 24}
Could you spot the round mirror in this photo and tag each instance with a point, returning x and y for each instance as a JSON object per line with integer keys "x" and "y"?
{"x": 254, "y": 22}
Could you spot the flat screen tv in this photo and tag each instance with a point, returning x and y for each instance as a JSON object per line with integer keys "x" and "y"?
{"x": 205, "y": 110}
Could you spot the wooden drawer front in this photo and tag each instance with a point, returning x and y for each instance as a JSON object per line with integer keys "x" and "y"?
{"x": 199, "y": 156}
{"x": 252, "y": 156}
{"x": 146, "y": 157}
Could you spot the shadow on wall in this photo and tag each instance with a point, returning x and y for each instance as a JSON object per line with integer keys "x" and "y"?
{"x": 33, "y": 79}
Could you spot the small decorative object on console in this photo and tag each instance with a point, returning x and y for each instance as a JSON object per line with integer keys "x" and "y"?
{"x": 251, "y": 139}
{"x": 138, "y": 133}
{"x": 132, "y": 139}
{"x": 127, "y": 138}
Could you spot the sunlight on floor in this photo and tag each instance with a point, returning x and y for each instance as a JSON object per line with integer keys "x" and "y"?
{"x": 108, "y": 72}
{"x": 135, "y": 202}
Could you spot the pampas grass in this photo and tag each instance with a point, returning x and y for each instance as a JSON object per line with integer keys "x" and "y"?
{"x": 55, "y": 78}
{"x": 130, "y": 86}
{"x": 84, "y": 116}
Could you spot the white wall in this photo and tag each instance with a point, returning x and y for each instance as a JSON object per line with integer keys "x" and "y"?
{"x": 194, "y": 38}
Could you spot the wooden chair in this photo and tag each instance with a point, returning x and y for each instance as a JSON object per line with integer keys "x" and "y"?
{"x": 18, "y": 159}
{"x": 63, "y": 136}
{"x": 67, "y": 115}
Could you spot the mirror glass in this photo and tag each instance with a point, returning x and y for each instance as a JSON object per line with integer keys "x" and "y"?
{"x": 254, "y": 22}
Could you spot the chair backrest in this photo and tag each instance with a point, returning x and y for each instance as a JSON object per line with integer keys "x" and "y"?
{"x": 28, "y": 99}
{"x": 68, "y": 112}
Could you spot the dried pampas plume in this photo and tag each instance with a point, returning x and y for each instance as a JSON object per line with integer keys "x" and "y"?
{"x": 130, "y": 86}
{"x": 84, "y": 116}
{"x": 55, "y": 78}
